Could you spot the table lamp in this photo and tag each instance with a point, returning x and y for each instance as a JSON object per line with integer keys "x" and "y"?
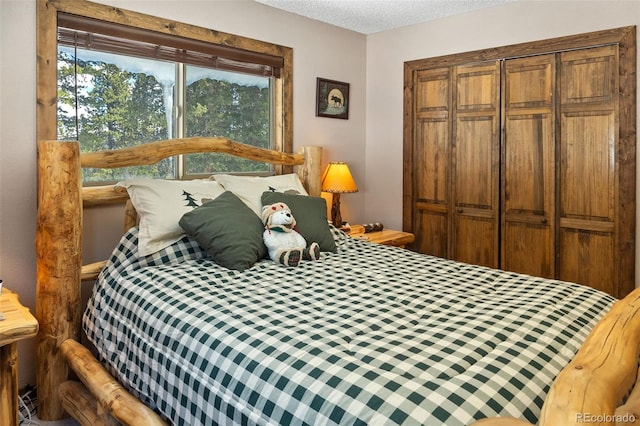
{"x": 337, "y": 180}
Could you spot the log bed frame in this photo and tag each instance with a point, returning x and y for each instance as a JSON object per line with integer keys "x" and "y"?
{"x": 592, "y": 386}
{"x": 61, "y": 199}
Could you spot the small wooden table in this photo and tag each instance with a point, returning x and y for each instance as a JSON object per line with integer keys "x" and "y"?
{"x": 18, "y": 324}
{"x": 388, "y": 237}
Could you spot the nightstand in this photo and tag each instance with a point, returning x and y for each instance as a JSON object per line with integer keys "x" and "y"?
{"x": 387, "y": 237}
{"x": 18, "y": 324}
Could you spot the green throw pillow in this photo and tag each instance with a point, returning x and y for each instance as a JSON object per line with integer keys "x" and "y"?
{"x": 229, "y": 231}
{"x": 310, "y": 214}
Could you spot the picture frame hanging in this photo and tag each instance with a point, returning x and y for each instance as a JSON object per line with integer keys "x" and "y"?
{"x": 332, "y": 98}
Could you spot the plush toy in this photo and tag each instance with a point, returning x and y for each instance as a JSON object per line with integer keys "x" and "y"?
{"x": 284, "y": 243}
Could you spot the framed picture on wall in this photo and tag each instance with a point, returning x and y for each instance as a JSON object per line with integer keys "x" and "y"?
{"x": 332, "y": 98}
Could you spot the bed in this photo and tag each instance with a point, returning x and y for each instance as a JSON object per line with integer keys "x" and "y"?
{"x": 368, "y": 334}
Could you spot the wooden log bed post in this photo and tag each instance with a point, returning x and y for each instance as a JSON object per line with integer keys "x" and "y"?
{"x": 58, "y": 256}
{"x": 310, "y": 173}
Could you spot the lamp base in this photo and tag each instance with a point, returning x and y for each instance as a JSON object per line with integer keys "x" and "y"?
{"x": 336, "y": 217}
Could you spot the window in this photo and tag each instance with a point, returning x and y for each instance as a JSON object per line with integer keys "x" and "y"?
{"x": 223, "y": 103}
{"x": 120, "y": 86}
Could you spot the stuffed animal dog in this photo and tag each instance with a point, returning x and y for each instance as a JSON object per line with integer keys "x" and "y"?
{"x": 284, "y": 243}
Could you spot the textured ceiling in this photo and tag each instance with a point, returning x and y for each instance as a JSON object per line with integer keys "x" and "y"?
{"x": 372, "y": 16}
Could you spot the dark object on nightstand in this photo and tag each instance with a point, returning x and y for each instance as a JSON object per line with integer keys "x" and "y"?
{"x": 373, "y": 227}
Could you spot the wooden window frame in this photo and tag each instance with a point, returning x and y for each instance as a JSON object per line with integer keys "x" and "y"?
{"x": 46, "y": 66}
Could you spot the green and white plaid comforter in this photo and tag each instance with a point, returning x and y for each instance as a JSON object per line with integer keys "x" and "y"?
{"x": 369, "y": 335}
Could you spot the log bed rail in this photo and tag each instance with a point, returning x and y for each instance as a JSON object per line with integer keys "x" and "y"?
{"x": 589, "y": 390}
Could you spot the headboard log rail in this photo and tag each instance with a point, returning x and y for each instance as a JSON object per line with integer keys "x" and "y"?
{"x": 61, "y": 199}
{"x": 102, "y": 195}
{"x": 152, "y": 152}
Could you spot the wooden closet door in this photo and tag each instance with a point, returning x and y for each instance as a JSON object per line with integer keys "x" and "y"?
{"x": 432, "y": 150}
{"x": 589, "y": 167}
{"x": 554, "y": 193}
{"x": 476, "y": 161}
{"x": 528, "y": 166}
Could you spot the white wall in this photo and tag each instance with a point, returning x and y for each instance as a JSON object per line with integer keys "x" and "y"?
{"x": 18, "y": 159}
{"x": 320, "y": 50}
{"x": 518, "y": 22}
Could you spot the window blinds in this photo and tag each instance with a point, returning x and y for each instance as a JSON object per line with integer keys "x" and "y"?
{"x": 93, "y": 34}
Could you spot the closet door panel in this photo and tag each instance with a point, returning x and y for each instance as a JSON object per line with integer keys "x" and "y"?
{"x": 588, "y": 165}
{"x": 589, "y": 76}
{"x": 527, "y": 248}
{"x": 433, "y": 226}
{"x": 432, "y": 196}
{"x": 474, "y": 158}
{"x": 589, "y": 168}
{"x": 432, "y": 91}
{"x": 476, "y": 161}
{"x": 528, "y": 175}
{"x": 528, "y": 164}
{"x": 528, "y": 200}
{"x": 473, "y": 232}
{"x": 432, "y": 151}
{"x": 586, "y": 257}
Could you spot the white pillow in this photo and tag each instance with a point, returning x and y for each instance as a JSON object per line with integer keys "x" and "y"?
{"x": 160, "y": 205}
{"x": 250, "y": 188}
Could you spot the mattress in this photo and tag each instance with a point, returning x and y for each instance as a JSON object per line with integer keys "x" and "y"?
{"x": 370, "y": 334}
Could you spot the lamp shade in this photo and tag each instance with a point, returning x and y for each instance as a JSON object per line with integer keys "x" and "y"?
{"x": 337, "y": 179}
